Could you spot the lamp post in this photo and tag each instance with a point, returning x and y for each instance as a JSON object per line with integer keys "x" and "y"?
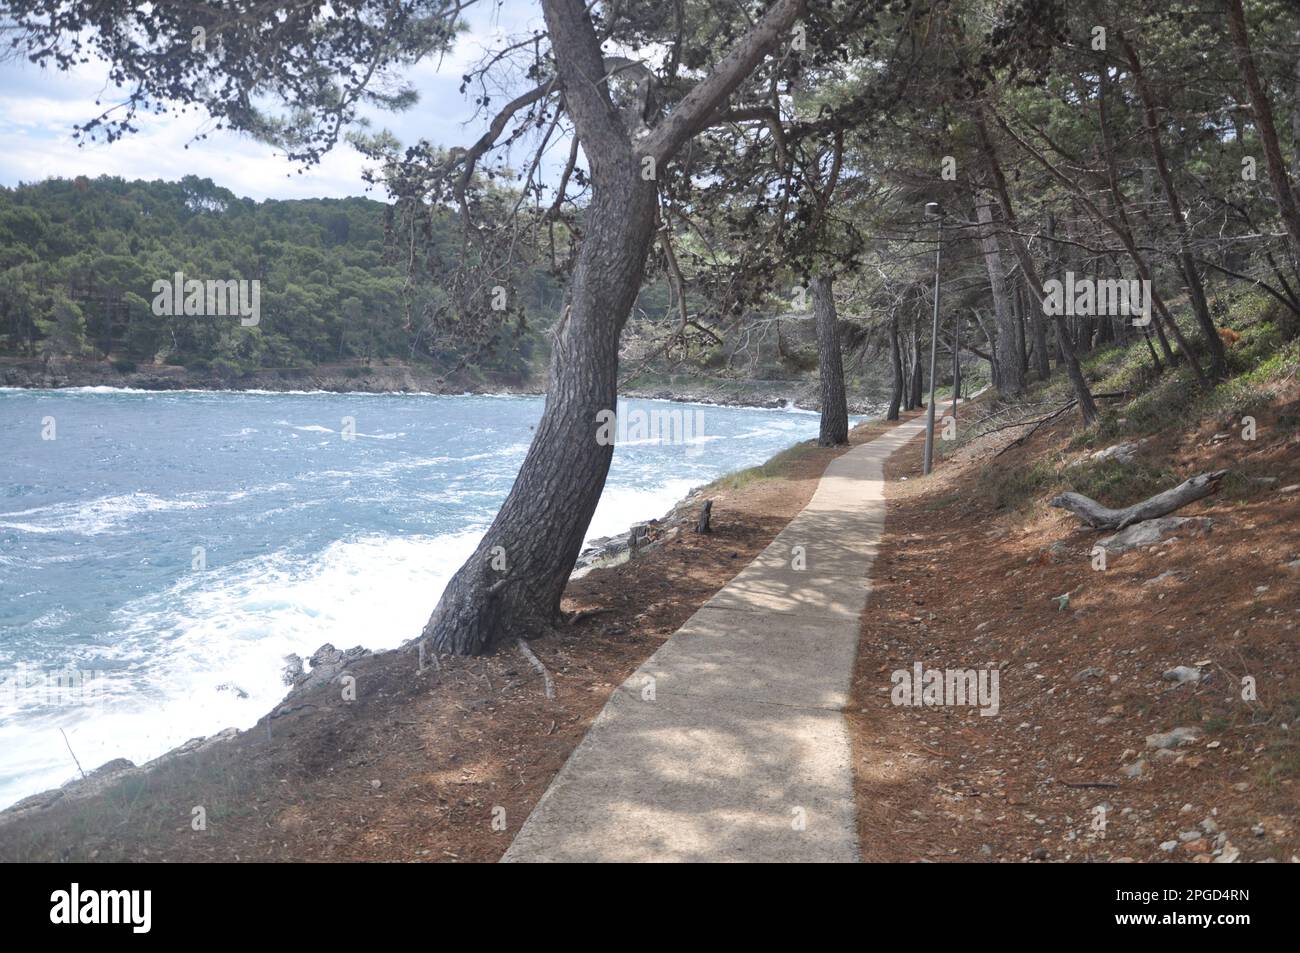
{"x": 934, "y": 210}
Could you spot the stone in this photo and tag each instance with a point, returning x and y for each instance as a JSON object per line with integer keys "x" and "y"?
{"x": 1182, "y": 674}
{"x": 1120, "y": 452}
{"x": 1150, "y": 532}
{"x": 1174, "y": 738}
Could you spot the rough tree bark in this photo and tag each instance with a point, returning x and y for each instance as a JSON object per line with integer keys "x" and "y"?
{"x": 1011, "y": 381}
{"x": 512, "y": 584}
{"x": 916, "y": 384}
{"x": 1042, "y": 360}
{"x": 896, "y": 361}
{"x": 830, "y": 365}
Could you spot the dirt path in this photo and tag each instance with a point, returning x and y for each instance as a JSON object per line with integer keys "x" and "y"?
{"x": 729, "y": 742}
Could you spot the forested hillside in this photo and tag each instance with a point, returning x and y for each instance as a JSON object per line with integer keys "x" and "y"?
{"x": 78, "y": 260}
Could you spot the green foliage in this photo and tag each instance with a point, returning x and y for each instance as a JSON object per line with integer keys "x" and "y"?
{"x": 78, "y": 262}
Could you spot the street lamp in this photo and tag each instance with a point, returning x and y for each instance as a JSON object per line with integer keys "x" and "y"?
{"x": 933, "y": 210}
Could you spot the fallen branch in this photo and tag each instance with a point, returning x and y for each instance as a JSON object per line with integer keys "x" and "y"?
{"x": 588, "y": 613}
{"x": 535, "y": 662}
{"x": 1102, "y": 517}
{"x": 71, "y": 752}
{"x": 1034, "y": 429}
{"x": 1090, "y": 784}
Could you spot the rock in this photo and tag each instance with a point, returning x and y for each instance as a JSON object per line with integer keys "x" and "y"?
{"x": 1157, "y": 580}
{"x": 110, "y": 768}
{"x": 1150, "y": 532}
{"x": 1134, "y": 770}
{"x": 1198, "y": 846}
{"x": 1039, "y": 853}
{"x": 293, "y": 669}
{"x": 1173, "y": 739}
{"x": 376, "y": 783}
{"x": 986, "y": 850}
{"x": 1229, "y": 855}
{"x": 327, "y": 664}
{"x": 1092, "y": 672}
{"x": 1294, "y": 565}
{"x": 1257, "y": 830}
{"x": 1120, "y": 453}
{"x": 1188, "y": 836}
{"x": 1182, "y": 674}
{"x": 1169, "y": 846}
{"x": 1054, "y": 553}
{"x": 1290, "y": 489}
{"x": 1209, "y": 826}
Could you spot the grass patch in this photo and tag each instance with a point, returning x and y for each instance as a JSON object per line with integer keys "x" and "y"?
{"x": 775, "y": 468}
{"x": 1115, "y": 484}
{"x": 1015, "y": 489}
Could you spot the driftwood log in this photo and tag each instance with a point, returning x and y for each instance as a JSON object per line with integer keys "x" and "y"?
{"x": 1102, "y": 517}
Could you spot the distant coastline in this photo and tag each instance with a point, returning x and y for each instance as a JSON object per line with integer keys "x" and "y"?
{"x": 392, "y": 378}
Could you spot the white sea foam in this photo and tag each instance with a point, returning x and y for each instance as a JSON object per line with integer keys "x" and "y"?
{"x": 91, "y": 517}
{"x": 226, "y": 627}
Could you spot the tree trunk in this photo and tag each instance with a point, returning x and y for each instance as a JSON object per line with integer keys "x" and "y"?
{"x": 1196, "y": 291}
{"x": 917, "y": 383}
{"x": 512, "y": 584}
{"x": 1011, "y": 381}
{"x": 1087, "y": 407}
{"x": 1263, "y": 110}
{"x": 835, "y": 411}
{"x": 1018, "y": 308}
{"x": 993, "y": 349}
{"x": 896, "y": 360}
{"x": 1038, "y": 321}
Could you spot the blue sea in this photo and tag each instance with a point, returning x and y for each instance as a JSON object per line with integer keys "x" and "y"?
{"x": 160, "y": 553}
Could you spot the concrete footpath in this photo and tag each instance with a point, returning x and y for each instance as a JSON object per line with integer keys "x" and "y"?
{"x": 728, "y": 744}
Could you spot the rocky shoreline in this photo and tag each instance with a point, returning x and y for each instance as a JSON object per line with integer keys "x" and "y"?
{"x": 394, "y": 378}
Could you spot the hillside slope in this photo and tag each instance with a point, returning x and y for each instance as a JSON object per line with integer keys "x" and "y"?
{"x": 979, "y": 572}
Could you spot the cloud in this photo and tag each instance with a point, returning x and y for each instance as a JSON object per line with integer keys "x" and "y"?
{"x": 39, "y": 109}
